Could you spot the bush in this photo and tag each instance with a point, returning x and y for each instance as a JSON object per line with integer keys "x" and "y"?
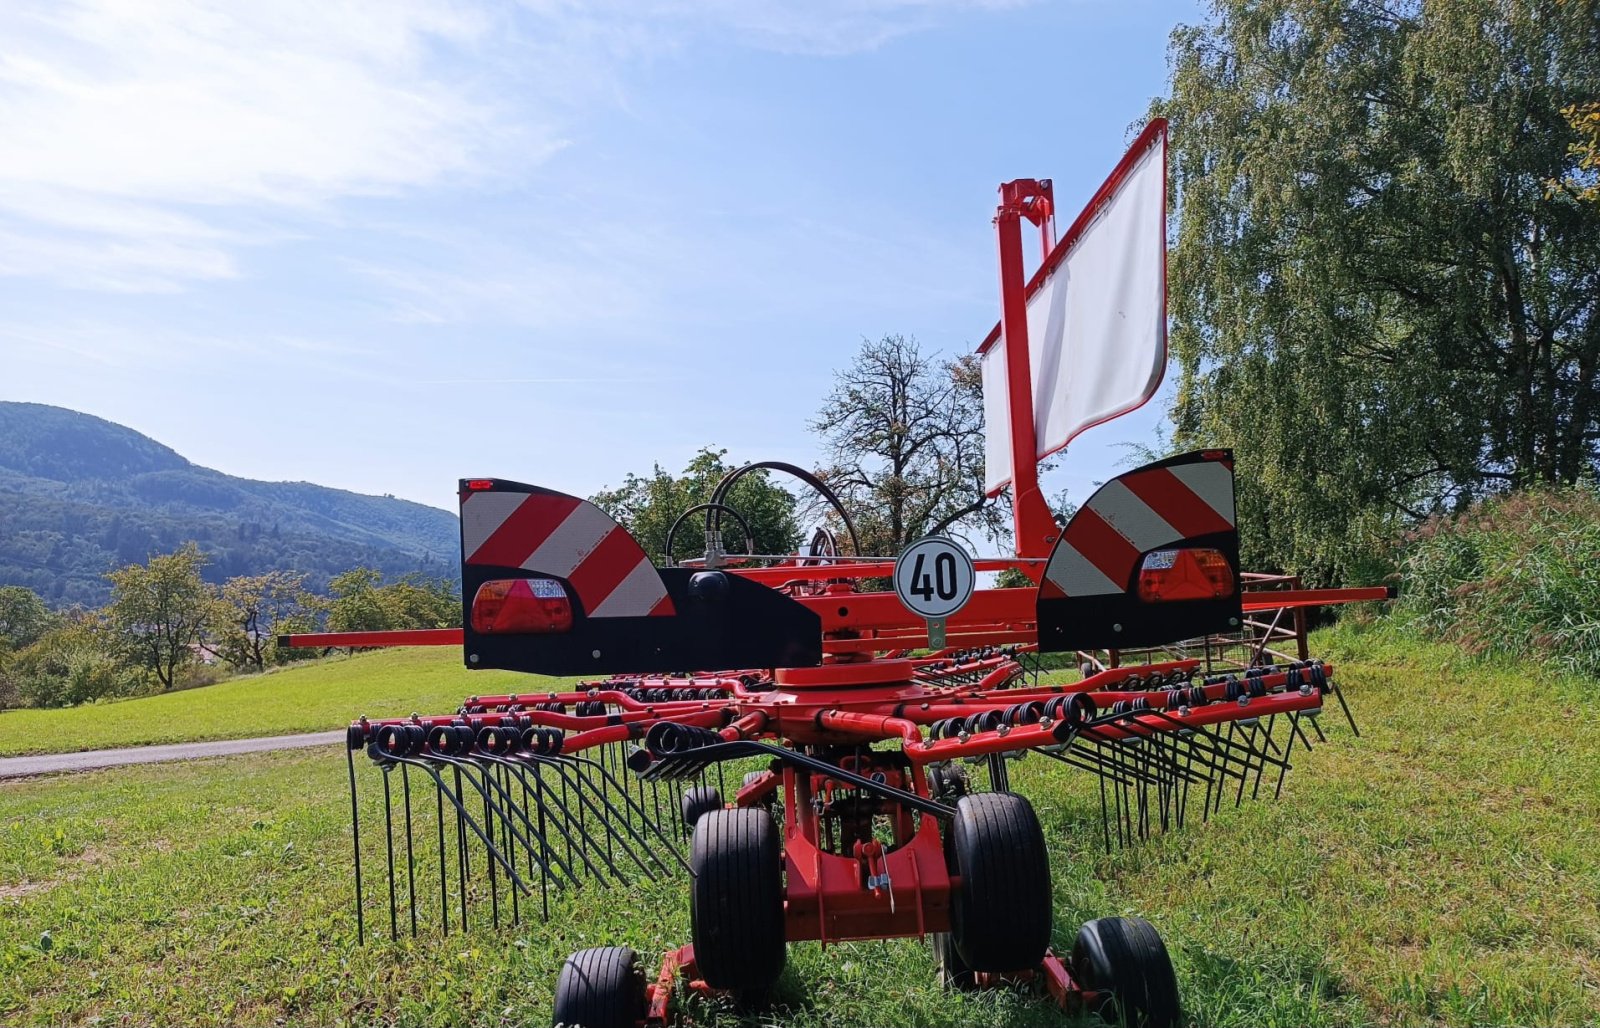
{"x": 69, "y": 665}
{"x": 1517, "y": 574}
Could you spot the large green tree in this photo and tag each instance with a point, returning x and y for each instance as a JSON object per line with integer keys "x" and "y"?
{"x": 1385, "y": 285}
{"x": 648, "y": 505}
{"x": 161, "y": 611}
{"x": 23, "y": 617}
{"x": 904, "y": 436}
{"x": 255, "y": 609}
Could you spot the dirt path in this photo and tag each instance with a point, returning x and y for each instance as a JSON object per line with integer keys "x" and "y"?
{"x": 21, "y": 767}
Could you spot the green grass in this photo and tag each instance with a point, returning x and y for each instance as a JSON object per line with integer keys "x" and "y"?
{"x": 1442, "y": 869}
{"x": 307, "y": 698}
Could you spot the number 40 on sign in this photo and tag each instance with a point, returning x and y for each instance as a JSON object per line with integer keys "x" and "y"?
{"x": 934, "y": 578}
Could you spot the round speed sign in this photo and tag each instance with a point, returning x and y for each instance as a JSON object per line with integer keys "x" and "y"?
{"x": 934, "y": 577}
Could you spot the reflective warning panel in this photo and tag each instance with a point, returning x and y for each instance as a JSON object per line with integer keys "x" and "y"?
{"x": 1151, "y": 558}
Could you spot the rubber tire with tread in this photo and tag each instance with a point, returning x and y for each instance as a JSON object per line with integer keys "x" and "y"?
{"x": 736, "y": 899}
{"x": 953, "y": 971}
{"x": 1125, "y": 958}
{"x": 696, "y": 802}
{"x": 1000, "y": 913}
{"x": 600, "y": 988}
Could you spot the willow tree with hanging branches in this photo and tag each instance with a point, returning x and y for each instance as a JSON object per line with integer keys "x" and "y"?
{"x": 1385, "y": 281}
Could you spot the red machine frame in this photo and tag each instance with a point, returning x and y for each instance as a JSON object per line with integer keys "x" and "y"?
{"x": 819, "y": 724}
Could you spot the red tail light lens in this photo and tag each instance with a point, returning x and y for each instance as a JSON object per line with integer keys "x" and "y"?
{"x": 1201, "y": 574}
{"x": 511, "y": 606}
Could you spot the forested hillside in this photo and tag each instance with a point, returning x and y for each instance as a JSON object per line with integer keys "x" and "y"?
{"x": 80, "y": 495}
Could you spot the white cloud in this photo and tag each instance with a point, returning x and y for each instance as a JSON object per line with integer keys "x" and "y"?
{"x": 129, "y": 124}
{"x": 143, "y": 143}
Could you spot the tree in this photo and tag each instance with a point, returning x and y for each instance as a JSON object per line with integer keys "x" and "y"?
{"x": 1383, "y": 287}
{"x": 161, "y": 611}
{"x": 255, "y": 608}
{"x": 418, "y": 602}
{"x": 1584, "y": 182}
{"x": 23, "y": 617}
{"x": 358, "y": 601}
{"x": 354, "y": 603}
{"x": 71, "y": 663}
{"x": 904, "y": 438}
{"x": 647, "y": 507}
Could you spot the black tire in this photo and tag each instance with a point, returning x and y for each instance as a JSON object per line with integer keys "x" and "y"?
{"x": 696, "y": 802}
{"x": 953, "y": 971}
{"x": 947, "y": 783}
{"x": 600, "y": 988}
{"x": 736, "y": 900}
{"x": 1125, "y": 959}
{"x": 1000, "y": 912}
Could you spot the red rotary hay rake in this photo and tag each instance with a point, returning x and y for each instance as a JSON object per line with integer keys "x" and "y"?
{"x": 849, "y": 776}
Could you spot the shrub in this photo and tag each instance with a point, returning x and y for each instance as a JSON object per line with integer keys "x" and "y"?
{"x": 68, "y": 665}
{"x": 1517, "y": 574}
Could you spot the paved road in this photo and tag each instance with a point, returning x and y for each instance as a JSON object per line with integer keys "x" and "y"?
{"x": 19, "y": 767}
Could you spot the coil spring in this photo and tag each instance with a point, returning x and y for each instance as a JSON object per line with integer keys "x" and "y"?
{"x": 543, "y": 741}
{"x": 398, "y": 740}
{"x": 666, "y": 738}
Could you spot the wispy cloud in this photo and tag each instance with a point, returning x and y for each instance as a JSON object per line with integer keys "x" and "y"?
{"x": 146, "y": 142}
{"x": 132, "y": 128}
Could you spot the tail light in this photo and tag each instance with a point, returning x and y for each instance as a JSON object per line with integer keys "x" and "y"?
{"x": 512, "y": 606}
{"x": 1196, "y": 574}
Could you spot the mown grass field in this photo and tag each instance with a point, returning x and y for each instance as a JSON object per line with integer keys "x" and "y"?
{"x": 310, "y": 697}
{"x": 1442, "y": 869}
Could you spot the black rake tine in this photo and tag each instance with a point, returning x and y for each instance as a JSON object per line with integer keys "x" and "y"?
{"x": 444, "y": 887}
{"x": 411, "y": 863}
{"x": 644, "y": 816}
{"x": 388, "y": 838}
{"x": 539, "y": 786}
{"x": 484, "y": 837}
{"x": 355, "y": 834}
{"x": 1338, "y": 695}
{"x": 511, "y": 803}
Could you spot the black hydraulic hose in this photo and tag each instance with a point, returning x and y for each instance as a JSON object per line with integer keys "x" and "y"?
{"x": 719, "y": 495}
{"x": 749, "y": 537}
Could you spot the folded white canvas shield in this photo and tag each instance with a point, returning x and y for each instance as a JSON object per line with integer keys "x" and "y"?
{"x": 1097, "y": 315}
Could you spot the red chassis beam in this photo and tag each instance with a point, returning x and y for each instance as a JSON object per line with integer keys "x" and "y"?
{"x": 991, "y": 613}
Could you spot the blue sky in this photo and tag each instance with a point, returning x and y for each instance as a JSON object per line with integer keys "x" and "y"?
{"x": 387, "y": 243}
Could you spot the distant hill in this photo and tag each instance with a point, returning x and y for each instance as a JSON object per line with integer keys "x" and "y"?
{"x": 80, "y": 495}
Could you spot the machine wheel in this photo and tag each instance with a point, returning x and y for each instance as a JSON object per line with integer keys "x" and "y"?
{"x": 736, "y": 900}
{"x": 947, "y": 783}
{"x": 600, "y": 988}
{"x": 772, "y": 798}
{"x": 1000, "y": 912}
{"x": 696, "y": 802}
{"x": 953, "y": 971}
{"x": 1124, "y": 958}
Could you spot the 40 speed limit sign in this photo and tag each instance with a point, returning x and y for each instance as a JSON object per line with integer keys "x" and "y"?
{"x": 934, "y": 578}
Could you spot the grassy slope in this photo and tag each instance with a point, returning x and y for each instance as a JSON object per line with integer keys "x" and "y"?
{"x": 305, "y": 698}
{"x": 1442, "y": 869}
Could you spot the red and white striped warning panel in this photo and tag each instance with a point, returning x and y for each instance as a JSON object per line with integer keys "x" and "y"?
{"x": 1131, "y": 515}
{"x": 562, "y": 536}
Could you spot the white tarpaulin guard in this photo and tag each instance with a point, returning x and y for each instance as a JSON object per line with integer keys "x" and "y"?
{"x": 1097, "y": 323}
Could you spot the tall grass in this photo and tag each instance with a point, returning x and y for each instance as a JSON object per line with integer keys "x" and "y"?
{"x": 1514, "y": 575}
